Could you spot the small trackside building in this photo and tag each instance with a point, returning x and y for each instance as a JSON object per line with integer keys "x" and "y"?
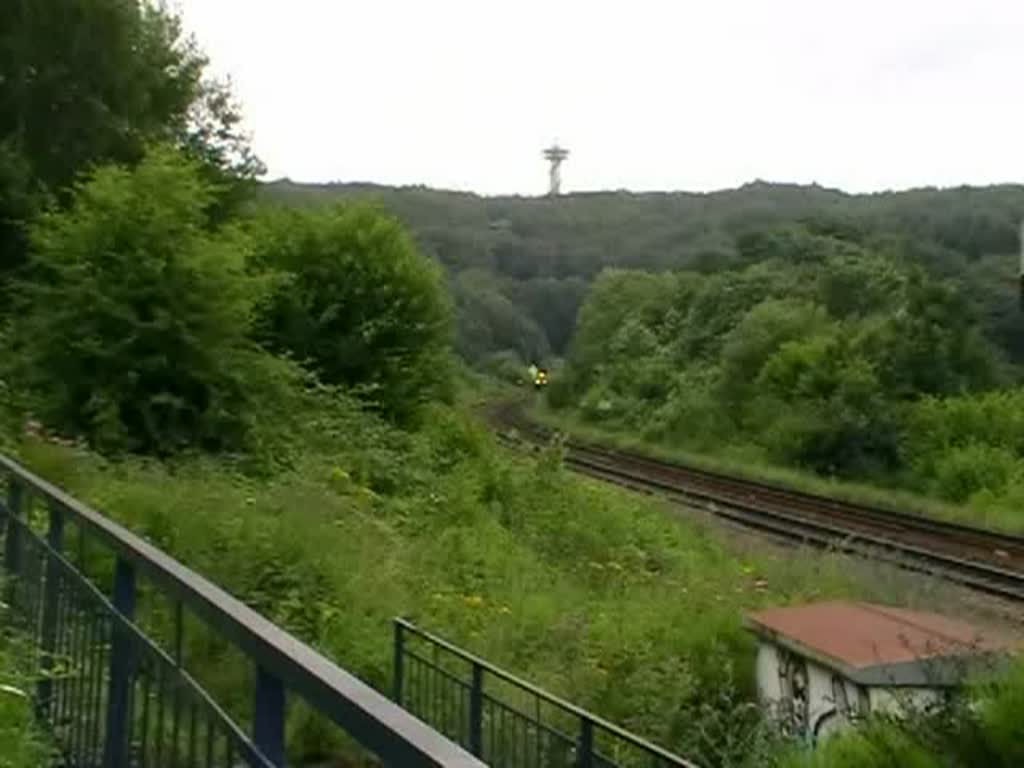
{"x": 823, "y": 665}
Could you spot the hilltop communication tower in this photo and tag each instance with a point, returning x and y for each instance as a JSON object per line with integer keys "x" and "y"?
{"x": 555, "y": 155}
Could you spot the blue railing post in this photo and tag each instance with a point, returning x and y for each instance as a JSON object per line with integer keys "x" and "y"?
{"x": 116, "y": 743}
{"x": 51, "y": 597}
{"x": 268, "y": 717}
{"x": 399, "y": 663}
{"x": 11, "y": 548}
{"x": 585, "y": 756}
{"x": 476, "y": 711}
{"x": 12, "y": 543}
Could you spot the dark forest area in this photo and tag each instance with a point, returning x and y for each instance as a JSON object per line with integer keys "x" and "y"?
{"x": 520, "y": 267}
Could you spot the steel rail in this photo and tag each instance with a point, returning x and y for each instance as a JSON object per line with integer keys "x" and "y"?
{"x": 880, "y": 533}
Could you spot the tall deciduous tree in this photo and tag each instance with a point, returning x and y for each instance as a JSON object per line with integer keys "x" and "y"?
{"x": 358, "y": 303}
{"x": 135, "y": 330}
{"x": 86, "y": 82}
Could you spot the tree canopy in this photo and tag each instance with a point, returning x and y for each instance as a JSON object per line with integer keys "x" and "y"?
{"x": 357, "y": 302}
{"x": 816, "y": 357}
{"x": 87, "y": 82}
{"x": 134, "y": 331}
{"x": 543, "y": 253}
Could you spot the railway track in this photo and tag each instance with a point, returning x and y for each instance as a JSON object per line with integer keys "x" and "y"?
{"x": 981, "y": 559}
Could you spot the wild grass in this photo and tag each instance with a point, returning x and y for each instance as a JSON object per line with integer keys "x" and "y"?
{"x": 23, "y": 743}
{"x": 750, "y": 463}
{"x": 592, "y": 592}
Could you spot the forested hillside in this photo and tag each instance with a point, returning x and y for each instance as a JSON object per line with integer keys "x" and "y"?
{"x": 519, "y": 267}
{"x": 271, "y": 395}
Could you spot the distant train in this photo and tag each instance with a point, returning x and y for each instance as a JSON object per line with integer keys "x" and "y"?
{"x": 539, "y": 376}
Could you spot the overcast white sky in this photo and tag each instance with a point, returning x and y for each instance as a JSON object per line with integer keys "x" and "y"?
{"x": 670, "y": 94}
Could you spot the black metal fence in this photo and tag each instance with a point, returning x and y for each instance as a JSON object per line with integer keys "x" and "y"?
{"x": 503, "y": 720}
{"x": 114, "y": 696}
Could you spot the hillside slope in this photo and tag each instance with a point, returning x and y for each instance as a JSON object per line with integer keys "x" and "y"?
{"x": 520, "y": 265}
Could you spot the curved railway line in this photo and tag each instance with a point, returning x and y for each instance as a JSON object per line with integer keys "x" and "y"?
{"x": 981, "y": 559}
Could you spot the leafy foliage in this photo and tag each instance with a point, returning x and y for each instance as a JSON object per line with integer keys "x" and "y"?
{"x": 134, "y": 331}
{"x": 815, "y": 349}
{"x": 22, "y": 742}
{"x": 540, "y": 252}
{"x": 587, "y": 590}
{"x": 358, "y": 303}
{"x": 88, "y": 82}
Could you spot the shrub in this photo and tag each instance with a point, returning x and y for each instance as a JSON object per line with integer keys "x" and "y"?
{"x": 879, "y": 745}
{"x": 507, "y": 366}
{"x": 962, "y": 471}
{"x": 357, "y": 303}
{"x": 134, "y": 330}
{"x": 22, "y": 744}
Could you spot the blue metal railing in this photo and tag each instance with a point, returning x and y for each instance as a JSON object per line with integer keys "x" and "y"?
{"x": 503, "y": 719}
{"x": 111, "y": 693}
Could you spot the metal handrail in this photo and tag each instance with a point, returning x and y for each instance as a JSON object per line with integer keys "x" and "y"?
{"x": 545, "y": 696}
{"x": 368, "y": 716}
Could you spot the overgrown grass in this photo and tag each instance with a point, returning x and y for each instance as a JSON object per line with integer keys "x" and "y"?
{"x": 748, "y": 462}
{"x": 592, "y": 592}
{"x": 22, "y": 742}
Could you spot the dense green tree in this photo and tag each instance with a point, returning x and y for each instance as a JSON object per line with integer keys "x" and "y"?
{"x": 553, "y": 302}
{"x": 757, "y": 338}
{"x": 87, "y": 82}
{"x": 357, "y": 302}
{"x": 134, "y": 329}
{"x": 929, "y": 343}
{"x": 823, "y": 407}
{"x": 966, "y": 234}
{"x": 615, "y": 296}
{"x": 815, "y": 359}
{"x": 489, "y": 322}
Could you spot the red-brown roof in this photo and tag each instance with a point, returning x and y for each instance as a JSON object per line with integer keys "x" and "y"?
{"x": 861, "y": 635}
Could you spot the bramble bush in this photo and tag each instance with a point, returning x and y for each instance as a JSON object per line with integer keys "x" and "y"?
{"x": 357, "y": 303}
{"x": 135, "y": 318}
{"x": 22, "y": 742}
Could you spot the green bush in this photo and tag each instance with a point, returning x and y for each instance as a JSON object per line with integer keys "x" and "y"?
{"x": 881, "y": 744}
{"x": 134, "y": 329}
{"x": 962, "y": 471}
{"x": 358, "y": 303}
{"x": 22, "y": 742}
{"x": 507, "y": 366}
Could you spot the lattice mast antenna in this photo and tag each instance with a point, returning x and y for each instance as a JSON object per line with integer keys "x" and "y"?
{"x": 555, "y": 155}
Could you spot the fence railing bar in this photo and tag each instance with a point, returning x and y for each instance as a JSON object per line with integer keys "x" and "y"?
{"x": 590, "y": 723}
{"x": 367, "y": 715}
{"x": 447, "y": 674}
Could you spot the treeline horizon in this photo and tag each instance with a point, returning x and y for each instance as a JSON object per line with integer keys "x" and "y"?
{"x": 519, "y": 267}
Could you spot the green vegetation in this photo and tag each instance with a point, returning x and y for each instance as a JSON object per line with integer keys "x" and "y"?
{"x": 821, "y": 353}
{"x": 22, "y": 743}
{"x": 88, "y": 82}
{"x": 587, "y": 590}
{"x": 271, "y": 395}
{"x": 357, "y": 303}
{"x": 135, "y": 320}
{"x": 980, "y": 729}
{"x": 536, "y": 257}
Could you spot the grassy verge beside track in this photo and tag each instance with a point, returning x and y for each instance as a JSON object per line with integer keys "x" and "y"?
{"x": 739, "y": 463}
